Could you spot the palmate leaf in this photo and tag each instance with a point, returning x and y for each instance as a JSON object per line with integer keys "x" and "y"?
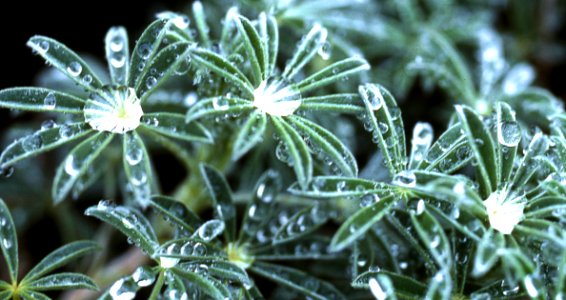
{"x": 384, "y": 120}
{"x": 76, "y": 164}
{"x": 254, "y": 47}
{"x": 360, "y": 222}
{"x": 118, "y": 54}
{"x": 59, "y": 258}
{"x": 176, "y": 212}
{"x": 42, "y": 141}
{"x": 482, "y": 146}
{"x": 137, "y": 167}
{"x": 296, "y": 148}
{"x": 66, "y": 61}
{"x": 174, "y": 125}
{"x": 129, "y": 221}
{"x": 62, "y": 281}
{"x": 40, "y": 99}
{"x": 325, "y": 142}
{"x": 297, "y": 280}
{"x": 250, "y": 135}
{"x": 221, "y": 195}
{"x": 9, "y": 241}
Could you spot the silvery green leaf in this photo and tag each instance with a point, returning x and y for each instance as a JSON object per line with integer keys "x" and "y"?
{"x": 190, "y": 248}
{"x": 220, "y": 269}
{"x": 508, "y": 136}
{"x": 337, "y": 186}
{"x": 176, "y": 212}
{"x": 545, "y": 206}
{"x": 137, "y": 167}
{"x": 487, "y": 252}
{"x": 301, "y": 224}
{"x": 32, "y": 295}
{"x": 527, "y": 166}
{"x": 383, "y": 119}
{"x": 433, "y": 237}
{"x": 200, "y": 19}
{"x": 118, "y": 54}
{"x": 306, "y": 50}
{"x": 40, "y": 99}
{"x": 207, "y": 285}
{"x": 254, "y": 47}
{"x": 223, "y": 68}
{"x": 360, "y": 222}
{"x": 66, "y": 61}
{"x": 338, "y": 103}
{"x": 174, "y": 125}
{"x": 269, "y": 32}
{"x": 333, "y": 73}
{"x": 405, "y": 287}
{"x": 62, "y": 281}
{"x": 327, "y": 144}
{"x": 42, "y": 141}
{"x": 297, "y": 280}
{"x": 251, "y": 134}
{"x": 9, "y": 241}
{"x": 295, "y": 150}
{"x": 313, "y": 247}
{"x": 59, "y": 258}
{"x": 77, "y": 163}
{"x": 218, "y": 107}
{"x": 482, "y": 146}
{"x": 146, "y": 48}
{"x": 449, "y": 153}
{"x": 160, "y": 67}
{"x": 222, "y": 201}
{"x": 129, "y": 221}
{"x": 5, "y": 293}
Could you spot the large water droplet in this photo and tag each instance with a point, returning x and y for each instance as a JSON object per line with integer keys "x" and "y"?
{"x": 368, "y": 199}
{"x": 405, "y": 178}
{"x": 50, "y": 101}
{"x": 122, "y": 290}
{"x": 134, "y": 155}
{"x": 143, "y": 276}
{"x": 518, "y": 79}
{"x": 74, "y": 69}
{"x": 72, "y": 166}
{"x": 509, "y": 133}
{"x": 144, "y": 50}
{"x": 220, "y": 103}
{"x": 210, "y": 229}
{"x": 32, "y": 143}
{"x": 420, "y": 207}
{"x": 118, "y": 60}
{"x": 325, "y": 51}
{"x": 372, "y": 94}
{"x": 150, "y": 82}
{"x": 169, "y": 262}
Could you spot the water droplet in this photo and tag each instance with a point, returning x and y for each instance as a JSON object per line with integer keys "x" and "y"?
{"x": 134, "y": 155}
{"x": 7, "y": 243}
{"x": 210, "y": 229}
{"x": 405, "y": 178}
{"x": 422, "y": 135}
{"x": 118, "y": 61}
{"x": 340, "y": 185}
{"x": 50, "y": 101}
{"x": 48, "y": 124}
{"x": 169, "y": 262}
{"x": 72, "y": 166}
{"x": 138, "y": 177}
{"x": 43, "y": 46}
{"x": 220, "y": 103}
{"x": 122, "y": 290}
{"x": 74, "y": 69}
{"x": 143, "y": 276}
{"x": 368, "y": 199}
{"x": 144, "y": 51}
{"x": 435, "y": 241}
{"x": 420, "y": 207}
{"x": 376, "y": 289}
{"x": 6, "y": 172}
{"x": 32, "y": 143}
{"x": 199, "y": 249}
{"x": 150, "y": 82}
{"x": 371, "y": 93}
{"x": 325, "y": 51}
{"x": 509, "y": 133}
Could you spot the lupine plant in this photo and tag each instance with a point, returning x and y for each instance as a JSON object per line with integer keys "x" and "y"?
{"x": 295, "y": 175}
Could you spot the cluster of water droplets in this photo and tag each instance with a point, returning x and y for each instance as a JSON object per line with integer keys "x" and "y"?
{"x": 114, "y": 109}
{"x": 123, "y": 289}
{"x": 6, "y": 228}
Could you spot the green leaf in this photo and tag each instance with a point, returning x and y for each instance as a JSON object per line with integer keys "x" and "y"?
{"x": 146, "y": 48}
{"x": 6, "y": 295}
{"x": 269, "y": 31}
{"x": 337, "y": 103}
{"x": 360, "y": 222}
{"x": 218, "y": 107}
{"x": 487, "y": 253}
{"x": 190, "y": 248}
{"x": 40, "y": 99}
{"x": 507, "y": 128}
{"x": 306, "y": 50}
{"x": 223, "y": 68}
{"x": 384, "y": 120}
{"x": 432, "y": 235}
{"x": 200, "y": 20}
{"x": 297, "y": 280}
{"x": 251, "y": 134}
{"x": 9, "y": 241}
{"x": 62, "y": 281}
{"x": 174, "y": 125}
{"x": 220, "y": 269}
{"x": 32, "y": 295}
{"x": 77, "y": 163}
{"x": 545, "y": 206}
{"x": 449, "y": 153}
{"x": 221, "y": 194}
{"x": 42, "y": 141}
{"x": 137, "y": 167}
{"x": 301, "y": 224}
{"x": 296, "y": 149}
{"x": 336, "y": 186}
{"x": 129, "y": 221}
{"x": 527, "y": 167}
{"x": 59, "y": 258}
{"x": 206, "y": 284}
{"x": 405, "y": 286}
{"x": 163, "y": 65}
{"x": 66, "y": 61}
{"x": 482, "y": 146}
{"x": 333, "y": 73}
{"x": 254, "y": 47}
{"x": 118, "y": 54}
{"x": 176, "y": 212}
{"x": 325, "y": 143}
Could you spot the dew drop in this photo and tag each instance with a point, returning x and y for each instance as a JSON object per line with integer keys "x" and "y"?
{"x": 220, "y": 103}
{"x": 48, "y": 124}
{"x": 368, "y": 199}
{"x": 43, "y": 46}
{"x": 210, "y": 230}
{"x": 122, "y": 290}
{"x": 150, "y": 82}
{"x": 50, "y": 101}
{"x": 118, "y": 61}
{"x": 144, "y": 51}
{"x": 325, "y": 51}
{"x": 74, "y": 69}
{"x": 372, "y": 94}
{"x": 405, "y": 178}
{"x": 508, "y": 133}
{"x": 32, "y": 143}
{"x": 134, "y": 155}
{"x": 72, "y": 167}
{"x": 143, "y": 276}
{"x": 420, "y": 207}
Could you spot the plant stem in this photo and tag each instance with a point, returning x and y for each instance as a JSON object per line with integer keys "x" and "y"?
{"x": 158, "y": 285}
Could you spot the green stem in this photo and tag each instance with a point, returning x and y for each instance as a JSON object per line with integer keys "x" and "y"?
{"x": 158, "y": 285}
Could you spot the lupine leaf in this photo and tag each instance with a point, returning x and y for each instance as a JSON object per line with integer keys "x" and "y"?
{"x": 338, "y": 103}
{"x": 432, "y": 235}
{"x": 59, "y": 258}
{"x": 336, "y": 186}
{"x": 254, "y": 47}
{"x": 137, "y": 167}
{"x": 176, "y": 212}
{"x": 204, "y": 284}
{"x": 218, "y": 106}
{"x": 63, "y": 281}
{"x": 40, "y": 99}
{"x": 301, "y": 224}
{"x": 306, "y": 50}
{"x": 174, "y": 125}
{"x": 76, "y": 164}
{"x": 118, "y": 54}
{"x": 297, "y": 150}
{"x": 221, "y": 195}
{"x": 200, "y": 20}
{"x": 66, "y": 61}
{"x": 505, "y": 123}
{"x": 337, "y": 71}
{"x": 250, "y": 135}
{"x": 191, "y": 248}
{"x": 405, "y": 286}
{"x": 9, "y": 241}
{"x": 146, "y": 48}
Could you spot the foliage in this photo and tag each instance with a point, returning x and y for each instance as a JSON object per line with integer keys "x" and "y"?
{"x": 321, "y": 209}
